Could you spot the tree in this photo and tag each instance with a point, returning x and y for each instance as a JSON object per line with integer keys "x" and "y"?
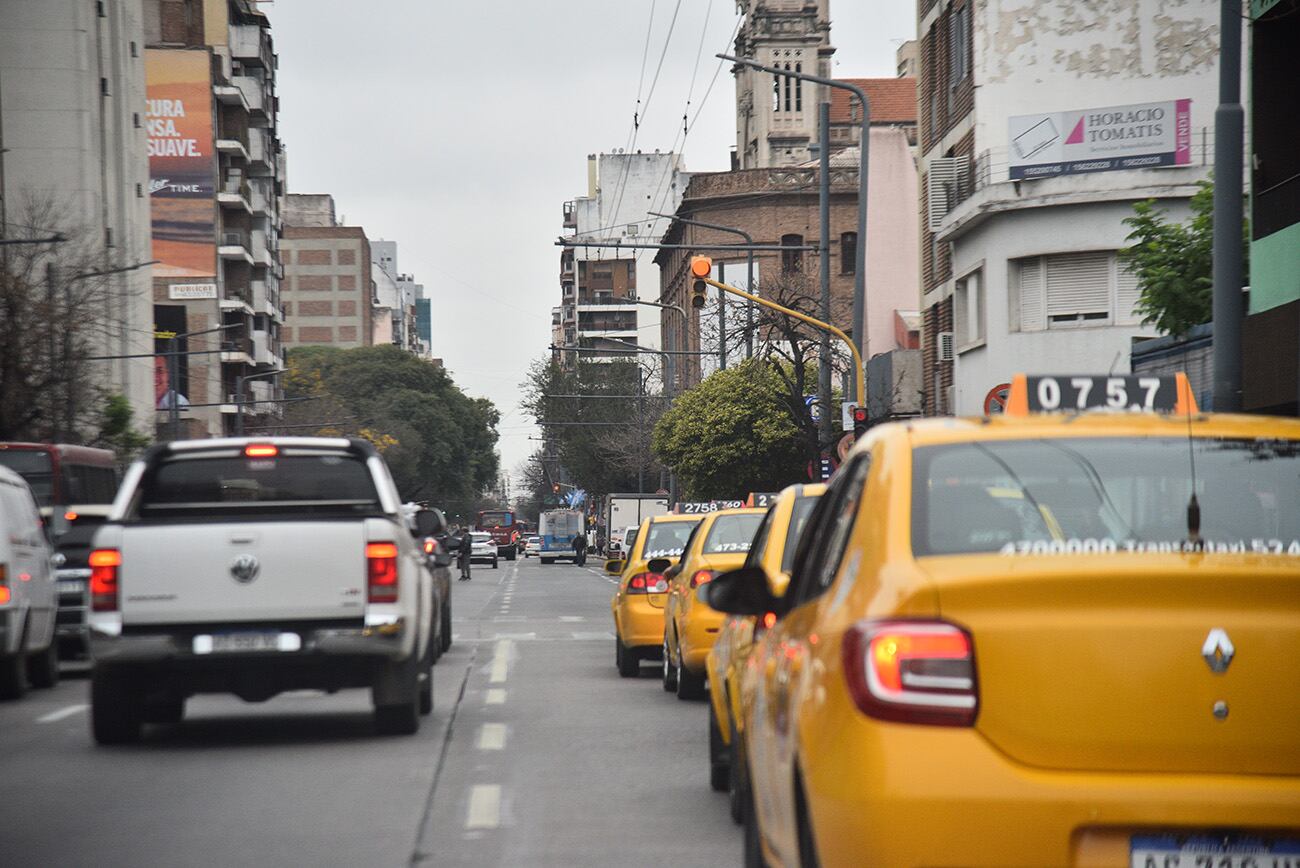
{"x": 733, "y": 434}
{"x": 438, "y": 442}
{"x": 1174, "y": 262}
{"x": 59, "y": 301}
{"x": 116, "y": 431}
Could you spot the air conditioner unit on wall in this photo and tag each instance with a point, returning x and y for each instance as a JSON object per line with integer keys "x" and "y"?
{"x": 945, "y": 347}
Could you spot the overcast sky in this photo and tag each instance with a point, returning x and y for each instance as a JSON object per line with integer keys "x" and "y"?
{"x": 458, "y": 129}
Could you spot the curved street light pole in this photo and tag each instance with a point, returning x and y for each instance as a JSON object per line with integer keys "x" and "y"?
{"x": 860, "y": 255}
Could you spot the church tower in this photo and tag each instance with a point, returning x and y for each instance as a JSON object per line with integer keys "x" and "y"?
{"x": 776, "y": 116}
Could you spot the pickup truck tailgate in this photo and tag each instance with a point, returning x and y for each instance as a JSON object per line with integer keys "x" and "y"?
{"x": 211, "y": 573}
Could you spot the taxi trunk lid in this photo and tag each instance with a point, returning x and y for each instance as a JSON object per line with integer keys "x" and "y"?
{"x": 1096, "y": 662}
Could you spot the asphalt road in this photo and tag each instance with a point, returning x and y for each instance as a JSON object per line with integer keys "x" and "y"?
{"x": 537, "y": 753}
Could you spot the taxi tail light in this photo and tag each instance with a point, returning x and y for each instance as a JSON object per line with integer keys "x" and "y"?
{"x": 647, "y": 583}
{"x": 5, "y": 593}
{"x": 701, "y": 577}
{"x": 381, "y": 572}
{"x": 104, "y": 566}
{"x": 912, "y": 672}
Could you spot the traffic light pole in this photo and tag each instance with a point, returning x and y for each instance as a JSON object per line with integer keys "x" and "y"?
{"x": 860, "y": 379}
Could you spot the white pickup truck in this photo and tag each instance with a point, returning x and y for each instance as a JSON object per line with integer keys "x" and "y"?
{"x": 256, "y": 566}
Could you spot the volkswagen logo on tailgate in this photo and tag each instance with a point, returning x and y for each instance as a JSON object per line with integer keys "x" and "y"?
{"x": 245, "y": 568}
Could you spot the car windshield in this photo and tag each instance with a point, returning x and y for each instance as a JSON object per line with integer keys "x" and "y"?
{"x": 732, "y": 533}
{"x": 499, "y": 519}
{"x": 667, "y": 539}
{"x": 1105, "y": 494}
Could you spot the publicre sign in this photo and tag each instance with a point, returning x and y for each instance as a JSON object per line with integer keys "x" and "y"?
{"x": 1115, "y": 138}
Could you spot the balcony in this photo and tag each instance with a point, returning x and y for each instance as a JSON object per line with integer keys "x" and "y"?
{"x": 570, "y": 216}
{"x": 237, "y": 351}
{"x": 233, "y": 148}
{"x": 234, "y": 246}
{"x": 254, "y": 93}
{"x": 258, "y": 202}
{"x": 260, "y": 158}
{"x": 228, "y": 94}
{"x": 248, "y": 46}
{"x": 235, "y": 194}
{"x": 262, "y": 254}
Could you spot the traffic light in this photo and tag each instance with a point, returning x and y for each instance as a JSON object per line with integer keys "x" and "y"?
{"x": 859, "y": 422}
{"x": 701, "y": 267}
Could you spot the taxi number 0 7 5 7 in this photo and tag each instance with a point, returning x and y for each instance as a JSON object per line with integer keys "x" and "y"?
{"x": 1047, "y": 394}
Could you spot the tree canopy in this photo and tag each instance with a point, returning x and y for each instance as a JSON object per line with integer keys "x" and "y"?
{"x": 439, "y": 443}
{"x": 1174, "y": 262}
{"x": 733, "y": 434}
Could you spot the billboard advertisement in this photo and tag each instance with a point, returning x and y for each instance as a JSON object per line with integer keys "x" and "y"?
{"x": 1141, "y": 136}
{"x": 182, "y": 163}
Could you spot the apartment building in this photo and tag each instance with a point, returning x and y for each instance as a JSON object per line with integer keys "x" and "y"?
{"x": 1039, "y": 132}
{"x": 72, "y": 97}
{"x": 329, "y": 276}
{"x": 400, "y": 303}
{"x": 216, "y": 178}
{"x": 598, "y": 284}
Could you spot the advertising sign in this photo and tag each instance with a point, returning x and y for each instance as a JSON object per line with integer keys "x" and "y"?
{"x": 182, "y": 163}
{"x": 1141, "y": 136}
{"x": 187, "y": 291}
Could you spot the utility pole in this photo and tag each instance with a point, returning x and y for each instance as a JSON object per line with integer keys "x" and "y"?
{"x": 1228, "y": 170}
{"x": 826, "y": 432}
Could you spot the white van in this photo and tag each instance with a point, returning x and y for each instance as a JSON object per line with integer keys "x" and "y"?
{"x": 28, "y": 598}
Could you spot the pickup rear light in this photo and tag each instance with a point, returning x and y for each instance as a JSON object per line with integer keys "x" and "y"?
{"x": 912, "y": 672}
{"x": 381, "y": 572}
{"x": 261, "y": 450}
{"x": 647, "y": 583}
{"x": 5, "y": 593}
{"x": 701, "y": 577}
{"x": 104, "y": 566}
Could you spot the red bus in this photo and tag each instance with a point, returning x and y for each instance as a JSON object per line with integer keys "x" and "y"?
{"x": 505, "y": 531}
{"x": 62, "y": 475}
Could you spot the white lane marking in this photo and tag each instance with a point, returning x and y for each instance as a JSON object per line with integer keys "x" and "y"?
{"x": 528, "y": 636}
{"x": 494, "y": 696}
{"x": 590, "y": 637}
{"x": 572, "y": 618}
{"x": 55, "y": 716}
{"x": 510, "y": 618}
{"x": 484, "y": 807}
{"x": 501, "y": 661}
{"x": 492, "y": 736}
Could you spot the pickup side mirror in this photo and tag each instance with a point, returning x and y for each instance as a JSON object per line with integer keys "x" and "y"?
{"x": 659, "y": 565}
{"x": 614, "y": 566}
{"x": 740, "y": 592}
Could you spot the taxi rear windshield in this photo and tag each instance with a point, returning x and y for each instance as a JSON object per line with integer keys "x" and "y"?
{"x": 732, "y": 533}
{"x": 295, "y": 484}
{"x": 1085, "y": 495}
{"x": 667, "y": 539}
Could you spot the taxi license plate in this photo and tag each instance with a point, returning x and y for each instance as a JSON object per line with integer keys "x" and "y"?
{"x": 236, "y": 643}
{"x": 1212, "y": 851}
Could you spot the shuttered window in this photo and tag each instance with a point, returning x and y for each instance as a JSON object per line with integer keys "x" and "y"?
{"x": 1078, "y": 287}
{"x": 968, "y": 311}
{"x": 1028, "y": 274}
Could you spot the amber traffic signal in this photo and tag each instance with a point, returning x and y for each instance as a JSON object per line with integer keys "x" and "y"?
{"x": 701, "y": 267}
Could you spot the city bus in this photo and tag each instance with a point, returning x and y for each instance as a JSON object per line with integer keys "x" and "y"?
{"x": 500, "y": 523}
{"x": 61, "y": 475}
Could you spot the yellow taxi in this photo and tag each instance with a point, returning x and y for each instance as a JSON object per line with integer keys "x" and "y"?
{"x": 772, "y": 552}
{"x": 638, "y": 605}
{"x": 1037, "y": 639}
{"x": 720, "y": 543}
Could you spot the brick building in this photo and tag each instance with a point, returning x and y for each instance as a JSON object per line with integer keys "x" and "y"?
{"x": 328, "y": 287}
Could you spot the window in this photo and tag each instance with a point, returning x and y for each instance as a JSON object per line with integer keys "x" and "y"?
{"x": 959, "y": 47}
{"x": 1071, "y": 289}
{"x": 791, "y": 260}
{"x": 848, "y": 252}
{"x": 798, "y": 89}
{"x": 761, "y": 536}
{"x": 822, "y": 546}
{"x": 968, "y": 311}
{"x": 135, "y": 120}
{"x": 732, "y": 533}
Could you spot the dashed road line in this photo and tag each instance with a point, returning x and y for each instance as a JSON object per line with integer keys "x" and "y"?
{"x": 492, "y": 736}
{"x": 55, "y": 716}
{"x": 494, "y": 696}
{"x": 484, "y": 807}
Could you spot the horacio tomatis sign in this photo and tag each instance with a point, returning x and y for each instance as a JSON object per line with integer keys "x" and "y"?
{"x": 1141, "y": 136}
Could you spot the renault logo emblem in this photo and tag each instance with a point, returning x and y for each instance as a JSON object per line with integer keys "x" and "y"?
{"x": 1218, "y": 650}
{"x": 245, "y": 568}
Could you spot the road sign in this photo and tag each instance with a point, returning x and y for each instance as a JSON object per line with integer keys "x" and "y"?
{"x": 996, "y": 400}
{"x": 814, "y": 408}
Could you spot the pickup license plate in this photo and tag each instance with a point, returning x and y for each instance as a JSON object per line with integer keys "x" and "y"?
{"x": 243, "y": 642}
{"x": 71, "y": 586}
{"x": 1213, "y": 851}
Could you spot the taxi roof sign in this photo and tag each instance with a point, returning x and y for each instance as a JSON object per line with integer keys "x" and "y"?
{"x": 1126, "y": 393}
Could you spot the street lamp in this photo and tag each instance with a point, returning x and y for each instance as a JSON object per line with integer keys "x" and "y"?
{"x": 860, "y": 255}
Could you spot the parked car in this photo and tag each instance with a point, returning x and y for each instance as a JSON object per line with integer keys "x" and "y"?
{"x": 27, "y": 593}
{"x": 299, "y": 571}
{"x": 483, "y": 549}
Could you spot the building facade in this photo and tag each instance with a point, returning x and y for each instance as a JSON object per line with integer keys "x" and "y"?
{"x": 216, "y": 180}
{"x": 72, "y": 97}
{"x": 400, "y": 303}
{"x": 1024, "y": 191}
{"x": 329, "y": 286}
{"x": 598, "y": 285}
